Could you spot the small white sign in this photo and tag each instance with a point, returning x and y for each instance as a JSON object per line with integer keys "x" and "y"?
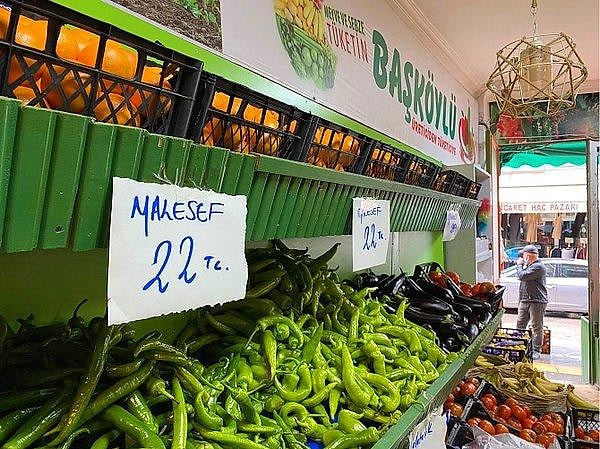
{"x": 452, "y": 225}
{"x": 429, "y": 433}
{"x": 370, "y": 232}
{"x": 173, "y": 249}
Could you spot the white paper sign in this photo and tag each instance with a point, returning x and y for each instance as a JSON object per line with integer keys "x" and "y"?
{"x": 429, "y": 433}
{"x": 452, "y": 225}
{"x": 173, "y": 249}
{"x": 370, "y": 232}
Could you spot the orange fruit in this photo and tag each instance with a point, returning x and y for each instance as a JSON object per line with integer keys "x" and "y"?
{"x": 4, "y": 19}
{"x": 84, "y": 37}
{"x": 67, "y": 46}
{"x": 145, "y": 100}
{"x": 24, "y": 93}
{"x": 116, "y": 58}
{"x": 32, "y": 35}
{"x": 123, "y": 111}
{"x": 69, "y": 91}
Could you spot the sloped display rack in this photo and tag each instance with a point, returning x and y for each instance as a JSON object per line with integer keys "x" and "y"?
{"x": 56, "y": 171}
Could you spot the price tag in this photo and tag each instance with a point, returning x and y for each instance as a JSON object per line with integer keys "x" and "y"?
{"x": 452, "y": 225}
{"x": 173, "y": 249}
{"x": 370, "y": 232}
{"x": 583, "y": 240}
{"x": 568, "y": 240}
{"x": 429, "y": 433}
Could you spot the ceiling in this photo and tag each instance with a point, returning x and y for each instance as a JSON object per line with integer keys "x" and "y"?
{"x": 468, "y": 33}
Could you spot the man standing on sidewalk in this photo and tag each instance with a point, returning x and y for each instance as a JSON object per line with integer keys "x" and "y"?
{"x": 533, "y": 296}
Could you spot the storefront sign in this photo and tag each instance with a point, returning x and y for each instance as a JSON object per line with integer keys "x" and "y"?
{"x": 543, "y": 207}
{"x": 360, "y": 59}
{"x": 370, "y": 232}
{"x": 429, "y": 433}
{"x": 173, "y": 249}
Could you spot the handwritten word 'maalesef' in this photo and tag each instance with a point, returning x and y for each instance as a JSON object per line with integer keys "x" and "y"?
{"x": 157, "y": 209}
{"x": 372, "y": 212}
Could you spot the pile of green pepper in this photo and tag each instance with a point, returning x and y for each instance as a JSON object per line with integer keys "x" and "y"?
{"x": 302, "y": 361}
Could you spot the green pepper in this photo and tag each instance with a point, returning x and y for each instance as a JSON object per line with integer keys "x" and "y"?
{"x": 358, "y": 396}
{"x": 180, "y": 419}
{"x": 133, "y": 427}
{"x": 249, "y": 413}
{"x": 12, "y": 421}
{"x": 207, "y": 418}
{"x": 320, "y": 396}
{"x": 103, "y": 441}
{"x": 88, "y": 382}
{"x": 391, "y": 399}
{"x": 348, "y": 423}
{"x": 138, "y": 407}
{"x": 204, "y": 340}
{"x": 304, "y": 386}
{"x": 263, "y": 288}
{"x": 334, "y": 400}
{"x": 228, "y": 439}
{"x": 310, "y": 348}
{"x": 260, "y": 265}
{"x": 156, "y": 386}
{"x": 372, "y": 351}
{"x": 317, "y": 264}
{"x": 364, "y": 437}
{"x": 288, "y": 436}
{"x": 269, "y": 347}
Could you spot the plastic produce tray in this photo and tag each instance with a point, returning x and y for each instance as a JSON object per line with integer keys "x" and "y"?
{"x": 52, "y": 57}
{"x": 587, "y": 420}
{"x": 232, "y": 116}
{"x": 452, "y": 182}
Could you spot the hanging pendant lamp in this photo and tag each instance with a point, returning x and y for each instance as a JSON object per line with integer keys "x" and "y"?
{"x": 538, "y": 75}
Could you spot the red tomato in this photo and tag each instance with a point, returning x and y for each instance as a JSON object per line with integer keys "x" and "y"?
{"x": 545, "y": 439}
{"x": 515, "y": 423}
{"x": 539, "y": 428}
{"x": 528, "y": 423}
{"x": 500, "y": 428}
{"x": 555, "y": 417}
{"x": 491, "y": 398}
{"x": 518, "y": 412}
{"x": 449, "y": 401}
{"x": 579, "y": 432}
{"x": 473, "y": 380}
{"x": 504, "y": 411}
{"x": 586, "y": 438}
{"x": 527, "y": 410}
{"x": 548, "y": 424}
{"x": 468, "y": 389}
{"x": 511, "y": 401}
{"x": 456, "y": 409}
{"x": 473, "y": 421}
{"x": 528, "y": 435}
{"x": 487, "y": 426}
{"x": 594, "y": 435}
{"x": 488, "y": 403}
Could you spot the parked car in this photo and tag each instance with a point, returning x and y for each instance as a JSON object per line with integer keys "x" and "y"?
{"x": 512, "y": 254}
{"x": 566, "y": 281}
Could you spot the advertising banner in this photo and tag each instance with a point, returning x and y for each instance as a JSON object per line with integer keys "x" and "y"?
{"x": 358, "y": 58}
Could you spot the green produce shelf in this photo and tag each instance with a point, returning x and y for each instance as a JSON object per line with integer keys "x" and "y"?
{"x": 437, "y": 393}
{"x": 56, "y": 170}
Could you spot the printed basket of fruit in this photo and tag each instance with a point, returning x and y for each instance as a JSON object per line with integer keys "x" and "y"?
{"x": 54, "y": 58}
{"x": 388, "y": 163}
{"x": 586, "y": 429}
{"x": 301, "y": 26}
{"x": 241, "y": 120}
{"x": 338, "y": 148}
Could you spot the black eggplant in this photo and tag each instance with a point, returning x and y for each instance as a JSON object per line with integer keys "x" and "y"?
{"x": 439, "y": 292}
{"x": 452, "y": 344}
{"x": 435, "y": 306}
{"x": 461, "y": 309}
{"x": 471, "y": 331}
{"x": 478, "y": 307}
{"x": 386, "y": 287}
{"x": 455, "y": 289}
{"x": 419, "y": 316}
{"x": 409, "y": 288}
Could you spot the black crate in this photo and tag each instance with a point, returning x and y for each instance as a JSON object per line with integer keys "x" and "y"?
{"x": 421, "y": 173}
{"x": 338, "y": 148}
{"x": 53, "y": 57}
{"x": 232, "y": 116}
{"x": 503, "y": 346}
{"x": 493, "y": 298}
{"x": 449, "y": 181}
{"x": 587, "y": 420}
{"x": 458, "y": 434}
{"x": 473, "y": 190}
{"x": 389, "y": 163}
{"x": 522, "y": 334}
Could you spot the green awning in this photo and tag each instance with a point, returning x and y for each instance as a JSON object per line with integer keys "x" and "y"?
{"x": 536, "y": 155}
